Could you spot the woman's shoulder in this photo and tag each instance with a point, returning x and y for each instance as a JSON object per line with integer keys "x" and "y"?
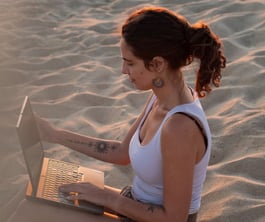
{"x": 178, "y": 123}
{"x": 183, "y": 121}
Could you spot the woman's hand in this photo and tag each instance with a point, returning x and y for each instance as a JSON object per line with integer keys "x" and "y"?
{"x": 85, "y": 191}
{"x": 47, "y": 130}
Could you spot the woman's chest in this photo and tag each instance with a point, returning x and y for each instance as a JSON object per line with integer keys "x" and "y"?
{"x": 150, "y": 126}
{"x": 146, "y": 160}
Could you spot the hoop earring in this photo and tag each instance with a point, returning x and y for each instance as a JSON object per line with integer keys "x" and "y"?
{"x": 189, "y": 60}
{"x": 158, "y": 82}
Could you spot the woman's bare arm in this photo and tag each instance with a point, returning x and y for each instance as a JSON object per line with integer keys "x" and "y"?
{"x": 111, "y": 151}
{"x": 180, "y": 156}
{"x": 179, "y": 159}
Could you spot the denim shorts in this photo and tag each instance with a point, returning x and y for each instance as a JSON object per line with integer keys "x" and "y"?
{"x": 126, "y": 192}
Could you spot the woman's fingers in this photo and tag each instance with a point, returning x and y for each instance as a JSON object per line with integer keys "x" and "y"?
{"x": 84, "y": 191}
{"x": 80, "y": 188}
{"x": 75, "y": 196}
{"x": 74, "y": 191}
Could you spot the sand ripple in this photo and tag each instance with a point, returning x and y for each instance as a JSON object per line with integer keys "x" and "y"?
{"x": 65, "y": 56}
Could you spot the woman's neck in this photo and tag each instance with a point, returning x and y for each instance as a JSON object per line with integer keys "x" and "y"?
{"x": 174, "y": 92}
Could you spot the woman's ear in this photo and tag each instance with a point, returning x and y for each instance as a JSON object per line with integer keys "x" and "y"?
{"x": 157, "y": 64}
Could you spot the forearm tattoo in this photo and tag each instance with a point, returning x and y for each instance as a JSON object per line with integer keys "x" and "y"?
{"x": 100, "y": 147}
{"x": 152, "y": 208}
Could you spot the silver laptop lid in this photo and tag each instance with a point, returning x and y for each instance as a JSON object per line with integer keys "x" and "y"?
{"x": 30, "y": 142}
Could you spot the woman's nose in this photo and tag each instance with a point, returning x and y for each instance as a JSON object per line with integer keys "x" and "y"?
{"x": 124, "y": 69}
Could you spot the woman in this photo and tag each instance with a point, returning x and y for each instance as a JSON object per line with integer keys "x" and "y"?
{"x": 169, "y": 144}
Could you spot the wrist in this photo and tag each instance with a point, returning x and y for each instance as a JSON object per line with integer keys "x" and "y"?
{"x": 113, "y": 201}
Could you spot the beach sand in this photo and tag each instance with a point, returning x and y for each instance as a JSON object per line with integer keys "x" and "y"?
{"x": 65, "y": 56}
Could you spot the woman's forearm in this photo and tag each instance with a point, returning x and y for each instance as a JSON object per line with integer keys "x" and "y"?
{"x": 136, "y": 210}
{"x": 106, "y": 150}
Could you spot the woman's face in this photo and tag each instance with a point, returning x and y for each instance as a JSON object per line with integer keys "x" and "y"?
{"x": 134, "y": 67}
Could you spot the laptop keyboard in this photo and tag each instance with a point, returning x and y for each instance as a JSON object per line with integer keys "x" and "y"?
{"x": 59, "y": 173}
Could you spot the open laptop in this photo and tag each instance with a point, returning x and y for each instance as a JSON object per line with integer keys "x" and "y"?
{"x": 47, "y": 174}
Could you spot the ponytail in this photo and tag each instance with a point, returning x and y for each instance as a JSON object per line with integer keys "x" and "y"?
{"x": 155, "y": 31}
{"x": 207, "y": 47}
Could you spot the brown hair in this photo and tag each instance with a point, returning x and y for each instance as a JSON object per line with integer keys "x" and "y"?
{"x": 155, "y": 31}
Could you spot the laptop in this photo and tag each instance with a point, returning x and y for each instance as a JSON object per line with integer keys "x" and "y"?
{"x": 46, "y": 174}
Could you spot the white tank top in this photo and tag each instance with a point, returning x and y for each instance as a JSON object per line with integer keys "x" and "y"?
{"x": 146, "y": 160}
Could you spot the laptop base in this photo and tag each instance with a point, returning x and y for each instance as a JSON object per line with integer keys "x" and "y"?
{"x": 83, "y": 206}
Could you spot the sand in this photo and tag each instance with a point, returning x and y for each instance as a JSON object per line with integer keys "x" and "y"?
{"x": 65, "y": 56}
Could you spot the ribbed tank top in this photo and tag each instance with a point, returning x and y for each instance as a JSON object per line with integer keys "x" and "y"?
{"x": 146, "y": 160}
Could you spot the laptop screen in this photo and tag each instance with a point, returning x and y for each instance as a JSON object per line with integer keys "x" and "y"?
{"x": 30, "y": 142}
